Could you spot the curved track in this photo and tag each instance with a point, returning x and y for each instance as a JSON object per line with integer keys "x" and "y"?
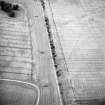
{"x": 27, "y": 83}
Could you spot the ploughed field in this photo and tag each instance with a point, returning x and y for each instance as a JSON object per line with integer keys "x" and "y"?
{"x": 15, "y": 46}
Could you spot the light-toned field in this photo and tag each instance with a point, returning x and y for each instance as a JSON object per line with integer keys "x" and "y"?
{"x": 80, "y": 27}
